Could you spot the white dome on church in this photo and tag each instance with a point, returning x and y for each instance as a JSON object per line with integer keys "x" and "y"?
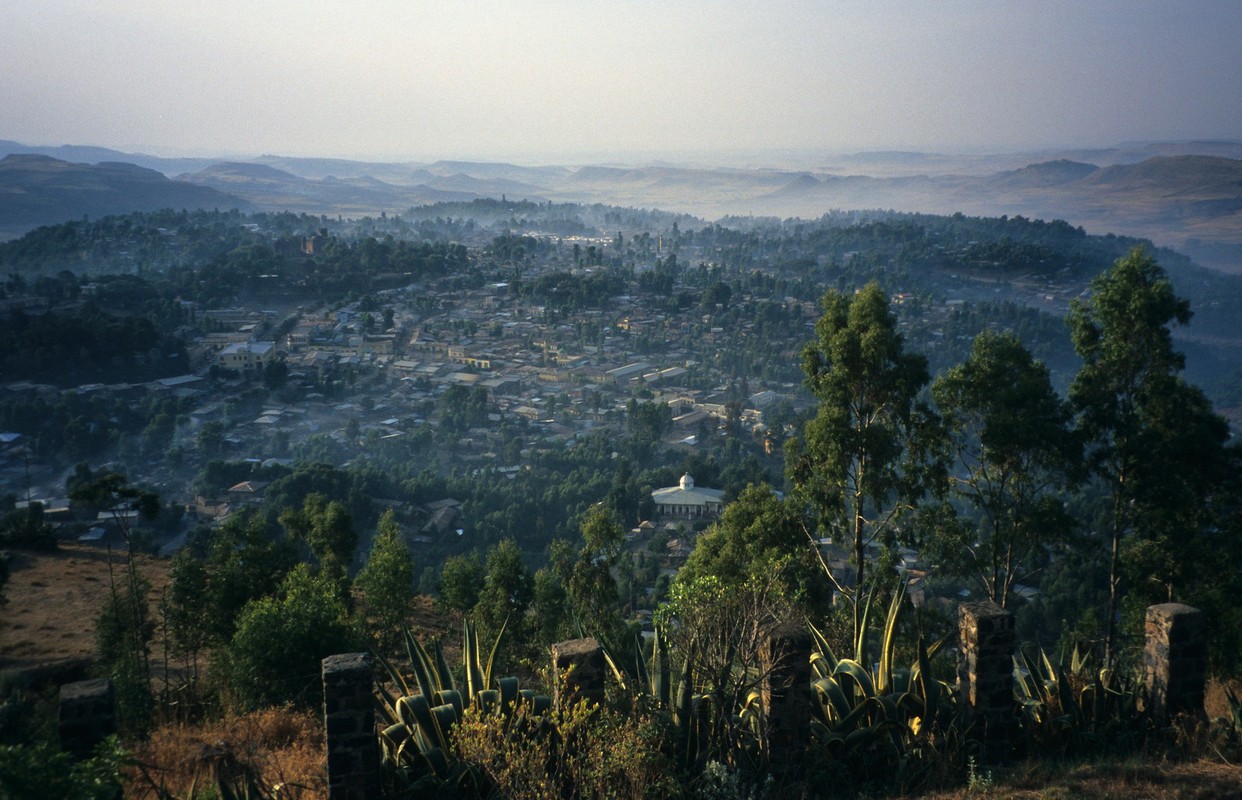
{"x": 687, "y": 500}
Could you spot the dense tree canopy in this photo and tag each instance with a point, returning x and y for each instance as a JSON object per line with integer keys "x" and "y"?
{"x": 759, "y": 537}
{"x": 1016, "y": 455}
{"x": 387, "y": 581}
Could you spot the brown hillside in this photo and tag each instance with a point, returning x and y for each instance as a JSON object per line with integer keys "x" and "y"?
{"x": 1173, "y": 175}
{"x": 54, "y": 599}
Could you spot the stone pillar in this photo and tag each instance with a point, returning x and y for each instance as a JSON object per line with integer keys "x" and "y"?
{"x": 349, "y": 719}
{"x": 1174, "y": 660}
{"x": 985, "y": 673}
{"x": 87, "y": 715}
{"x": 583, "y": 659}
{"x": 786, "y": 689}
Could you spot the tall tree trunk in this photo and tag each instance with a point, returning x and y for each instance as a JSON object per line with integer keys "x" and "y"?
{"x": 1114, "y": 579}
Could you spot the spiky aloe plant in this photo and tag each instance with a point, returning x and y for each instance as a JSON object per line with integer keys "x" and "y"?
{"x": 878, "y": 714}
{"x": 1071, "y": 706}
{"x": 686, "y": 710}
{"x": 416, "y": 742}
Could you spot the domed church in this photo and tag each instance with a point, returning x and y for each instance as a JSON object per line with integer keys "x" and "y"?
{"x": 687, "y": 500}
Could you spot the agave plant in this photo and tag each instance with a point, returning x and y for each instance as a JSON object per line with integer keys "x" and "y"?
{"x": 1069, "y": 707}
{"x": 416, "y": 742}
{"x": 1230, "y": 726}
{"x": 880, "y": 715}
{"x": 652, "y": 682}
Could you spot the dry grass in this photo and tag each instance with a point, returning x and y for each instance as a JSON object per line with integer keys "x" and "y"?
{"x": 54, "y": 599}
{"x": 1130, "y": 780}
{"x": 282, "y": 748}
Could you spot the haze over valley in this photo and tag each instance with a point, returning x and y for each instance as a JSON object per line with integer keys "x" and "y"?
{"x": 683, "y": 337}
{"x": 1185, "y": 195}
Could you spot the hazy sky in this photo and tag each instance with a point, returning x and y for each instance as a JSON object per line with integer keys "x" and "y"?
{"x": 549, "y": 79}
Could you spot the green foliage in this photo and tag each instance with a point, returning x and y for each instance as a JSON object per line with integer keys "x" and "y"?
{"x": 718, "y": 782}
{"x": 1016, "y": 455}
{"x": 184, "y": 601}
{"x": 462, "y": 408}
{"x": 551, "y": 612}
{"x": 717, "y": 633}
{"x": 1073, "y": 708}
{"x": 40, "y": 771}
{"x": 759, "y": 536}
{"x": 880, "y": 724}
{"x": 1230, "y": 726}
{"x": 275, "y": 652}
{"x": 593, "y": 592}
{"x": 460, "y": 581}
{"x": 244, "y": 564}
{"x": 25, "y": 528}
{"x": 871, "y": 452}
{"x": 110, "y": 492}
{"x": 85, "y": 345}
{"x": 123, "y": 635}
{"x": 387, "y": 581}
{"x": 571, "y": 750}
{"x": 647, "y": 422}
{"x": 508, "y": 588}
{"x": 326, "y": 528}
{"x": 1153, "y": 440}
{"x": 124, "y": 627}
{"x": 417, "y": 744}
{"x": 350, "y": 488}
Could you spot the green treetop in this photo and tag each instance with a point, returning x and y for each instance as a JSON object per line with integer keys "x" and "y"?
{"x": 1153, "y": 440}
{"x": 870, "y": 453}
{"x": 1015, "y": 453}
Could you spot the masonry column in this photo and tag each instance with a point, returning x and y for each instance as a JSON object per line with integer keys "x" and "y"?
{"x": 1174, "y": 660}
{"x": 985, "y": 673}
{"x": 586, "y": 678}
{"x": 786, "y": 689}
{"x": 349, "y": 718}
{"x": 87, "y": 715}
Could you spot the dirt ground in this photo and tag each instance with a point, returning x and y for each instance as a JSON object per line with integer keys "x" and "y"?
{"x": 1130, "y": 780}
{"x": 54, "y": 599}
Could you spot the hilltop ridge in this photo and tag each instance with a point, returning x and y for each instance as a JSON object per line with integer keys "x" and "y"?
{"x": 1183, "y": 195}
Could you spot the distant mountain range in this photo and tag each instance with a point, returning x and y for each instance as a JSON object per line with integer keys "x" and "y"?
{"x": 37, "y": 190}
{"x": 1186, "y": 195}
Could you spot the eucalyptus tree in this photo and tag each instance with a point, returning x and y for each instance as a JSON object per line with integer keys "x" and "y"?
{"x": 1015, "y": 454}
{"x": 1153, "y": 440}
{"x": 873, "y": 451}
{"x": 506, "y": 592}
{"x": 328, "y": 530}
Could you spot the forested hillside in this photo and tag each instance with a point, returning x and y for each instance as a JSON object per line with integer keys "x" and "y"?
{"x": 481, "y": 404}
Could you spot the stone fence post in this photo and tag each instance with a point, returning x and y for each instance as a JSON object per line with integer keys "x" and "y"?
{"x": 1174, "y": 661}
{"x": 87, "y": 715}
{"x": 349, "y": 719}
{"x": 985, "y": 672}
{"x": 786, "y": 689}
{"x": 586, "y": 680}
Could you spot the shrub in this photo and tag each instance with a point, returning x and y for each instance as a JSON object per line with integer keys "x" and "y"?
{"x": 573, "y": 750}
{"x": 274, "y": 654}
{"x": 40, "y": 771}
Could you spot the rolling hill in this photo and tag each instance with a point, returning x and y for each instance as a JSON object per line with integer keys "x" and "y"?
{"x": 39, "y": 190}
{"x": 1186, "y": 195}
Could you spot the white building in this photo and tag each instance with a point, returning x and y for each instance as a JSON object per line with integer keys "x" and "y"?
{"x": 687, "y": 500}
